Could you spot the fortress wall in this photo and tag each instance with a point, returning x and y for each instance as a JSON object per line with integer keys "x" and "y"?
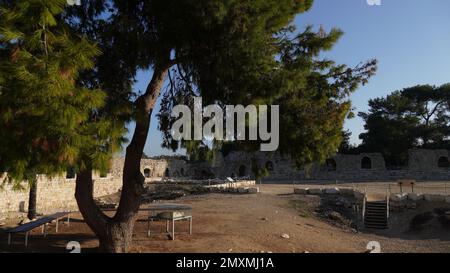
{"x": 57, "y": 194}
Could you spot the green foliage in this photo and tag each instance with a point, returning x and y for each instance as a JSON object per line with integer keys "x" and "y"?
{"x": 47, "y": 120}
{"x": 413, "y": 117}
{"x": 259, "y": 171}
{"x": 275, "y": 66}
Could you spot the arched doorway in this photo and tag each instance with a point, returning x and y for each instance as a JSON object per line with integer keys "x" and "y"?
{"x": 242, "y": 171}
{"x": 331, "y": 165}
{"x": 70, "y": 173}
{"x": 366, "y": 163}
{"x": 147, "y": 173}
{"x": 443, "y": 162}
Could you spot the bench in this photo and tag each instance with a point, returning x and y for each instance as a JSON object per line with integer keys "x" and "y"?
{"x": 42, "y": 222}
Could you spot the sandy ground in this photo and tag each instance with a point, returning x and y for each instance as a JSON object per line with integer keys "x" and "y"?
{"x": 224, "y": 223}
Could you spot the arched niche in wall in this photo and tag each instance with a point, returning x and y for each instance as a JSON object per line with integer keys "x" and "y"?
{"x": 242, "y": 171}
{"x": 443, "y": 162}
{"x": 147, "y": 173}
{"x": 70, "y": 174}
{"x": 366, "y": 163}
{"x": 331, "y": 165}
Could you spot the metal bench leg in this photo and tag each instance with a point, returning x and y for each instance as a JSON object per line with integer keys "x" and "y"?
{"x": 57, "y": 222}
{"x": 68, "y": 219}
{"x": 45, "y": 230}
{"x": 148, "y": 228}
{"x": 190, "y": 225}
{"x": 167, "y": 226}
{"x": 173, "y": 229}
{"x": 26, "y": 239}
{"x": 9, "y": 239}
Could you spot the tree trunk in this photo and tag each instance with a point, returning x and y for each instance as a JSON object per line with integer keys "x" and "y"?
{"x": 32, "y": 200}
{"x": 115, "y": 234}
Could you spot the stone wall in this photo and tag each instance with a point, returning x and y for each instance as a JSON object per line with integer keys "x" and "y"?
{"x": 56, "y": 194}
{"x": 423, "y": 165}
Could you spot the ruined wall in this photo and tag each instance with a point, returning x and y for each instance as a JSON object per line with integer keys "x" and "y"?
{"x": 423, "y": 165}
{"x": 57, "y": 194}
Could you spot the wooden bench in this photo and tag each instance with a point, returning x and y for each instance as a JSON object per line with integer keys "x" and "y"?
{"x": 42, "y": 222}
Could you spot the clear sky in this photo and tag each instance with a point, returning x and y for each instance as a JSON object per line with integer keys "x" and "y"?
{"x": 410, "y": 39}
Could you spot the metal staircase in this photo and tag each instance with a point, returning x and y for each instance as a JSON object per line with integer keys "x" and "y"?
{"x": 376, "y": 212}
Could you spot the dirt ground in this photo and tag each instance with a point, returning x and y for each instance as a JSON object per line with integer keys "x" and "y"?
{"x": 224, "y": 223}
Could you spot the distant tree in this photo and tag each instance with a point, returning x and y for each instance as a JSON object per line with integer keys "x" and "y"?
{"x": 414, "y": 117}
{"x": 346, "y": 147}
{"x": 259, "y": 171}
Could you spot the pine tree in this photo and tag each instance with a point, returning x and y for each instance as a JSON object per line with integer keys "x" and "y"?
{"x": 228, "y": 52}
{"x": 44, "y": 113}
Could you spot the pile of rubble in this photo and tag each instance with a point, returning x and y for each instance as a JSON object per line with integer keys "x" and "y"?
{"x": 337, "y": 206}
{"x": 241, "y": 190}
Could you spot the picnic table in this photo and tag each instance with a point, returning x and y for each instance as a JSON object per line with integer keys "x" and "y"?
{"x": 41, "y": 222}
{"x": 173, "y": 208}
{"x": 152, "y": 216}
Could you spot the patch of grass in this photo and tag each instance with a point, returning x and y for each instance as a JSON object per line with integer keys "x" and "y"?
{"x": 302, "y": 207}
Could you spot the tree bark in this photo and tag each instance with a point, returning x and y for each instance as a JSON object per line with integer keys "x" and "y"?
{"x": 32, "y": 200}
{"x": 115, "y": 234}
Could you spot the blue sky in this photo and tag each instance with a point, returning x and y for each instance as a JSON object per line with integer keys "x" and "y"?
{"x": 410, "y": 39}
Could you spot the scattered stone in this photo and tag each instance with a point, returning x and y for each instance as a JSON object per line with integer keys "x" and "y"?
{"x": 420, "y": 220}
{"x": 242, "y": 190}
{"x": 411, "y": 206}
{"x": 265, "y": 219}
{"x": 301, "y": 191}
{"x": 398, "y": 197}
{"x": 332, "y": 191}
{"x": 230, "y": 250}
{"x": 358, "y": 195}
{"x": 415, "y": 196}
{"x": 253, "y": 190}
{"x": 285, "y": 236}
{"x": 434, "y": 198}
{"x": 306, "y": 252}
{"x": 345, "y": 191}
{"x": 315, "y": 191}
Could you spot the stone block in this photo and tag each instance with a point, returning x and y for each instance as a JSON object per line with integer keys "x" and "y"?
{"x": 315, "y": 191}
{"x": 345, "y": 191}
{"x": 253, "y": 190}
{"x": 301, "y": 191}
{"x": 398, "y": 197}
{"x": 434, "y": 197}
{"x": 358, "y": 195}
{"x": 242, "y": 190}
{"x": 332, "y": 191}
{"x": 415, "y": 196}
